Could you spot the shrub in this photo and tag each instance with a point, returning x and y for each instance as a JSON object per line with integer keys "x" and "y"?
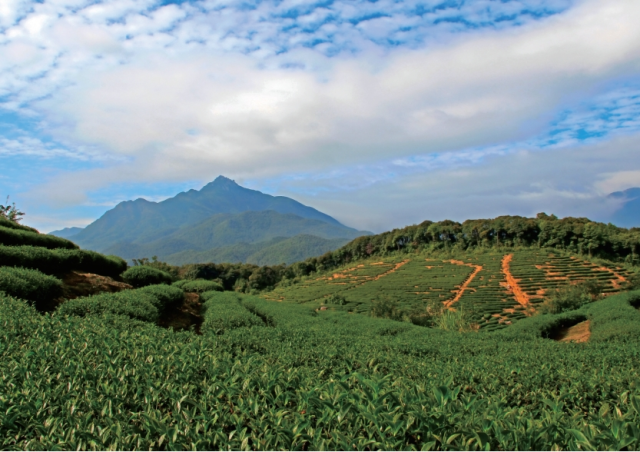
{"x": 131, "y": 303}
{"x": 165, "y": 296}
{"x": 17, "y": 237}
{"x": 571, "y": 297}
{"x": 336, "y": 299}
{"x": 60, "y": 260}
{"x": 5, "y": 222}
{"x": 224, "y": 312}
{"x": 201, "y": 286}
{"x": 29, "y": 284}
{"x": 143, "y": 275}
{"x": 180, "y": 284}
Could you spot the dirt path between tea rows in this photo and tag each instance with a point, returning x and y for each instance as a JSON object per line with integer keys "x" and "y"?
{"x": 465, "y": 284}
{"x": 512, "y": 284}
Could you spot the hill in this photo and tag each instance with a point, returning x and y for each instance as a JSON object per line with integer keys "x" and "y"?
{"x": 628, "y": 215}
{"x": 226, "y": 230}
{"x": 275, "y": 251}
{"x": 141, "y": 222}
{"x": 66, "y": 233}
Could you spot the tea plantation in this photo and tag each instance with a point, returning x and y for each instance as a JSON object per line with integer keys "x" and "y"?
{"x": 496, "y": 288}
{"x": 277, "y": 371}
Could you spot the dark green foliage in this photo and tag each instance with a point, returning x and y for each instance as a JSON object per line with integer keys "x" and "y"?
{"x": 224, "y": 312}
{"x": 571, "y": 297}
{"x": 143, "y": 275}
{"x": 155, "y": 263}
{"x": 29, "y": 284}
{"x": 166, "y": 297}
{"x": 336, "y": 300}
{"x": 180, "y": 283}
{"x": 131, "y": 303}
{"x": 60, "y": 260}
{"x": 16, "y": 237}
{"x": 200, "y": 286}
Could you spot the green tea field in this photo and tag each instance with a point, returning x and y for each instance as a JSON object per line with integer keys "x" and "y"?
{"x": 497, "y": 288}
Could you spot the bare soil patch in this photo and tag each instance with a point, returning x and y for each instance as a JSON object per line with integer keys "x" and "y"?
{"x": 184, "y": 316}
{"x": 76, "y": 284}
{"x": 577, "y": 333}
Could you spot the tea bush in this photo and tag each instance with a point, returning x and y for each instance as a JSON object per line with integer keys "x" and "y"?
{"x": 143, "y": 275}
{"x": 59, "y": 261}
{"x": 29, "y": 284}
{"x": 16, "y": 237}
{"x": 166, "y": 297}
{"x": 201, "y": 286}
{"x": 131, "y": 303}
{"x": 330, "y": 380}
{"x": 224, "y": 312}
{"x": 6, "y": 223}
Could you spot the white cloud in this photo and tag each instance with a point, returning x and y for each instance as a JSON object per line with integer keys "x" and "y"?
{"x": 572, "y": 181}
{"x": 261, "y": 122}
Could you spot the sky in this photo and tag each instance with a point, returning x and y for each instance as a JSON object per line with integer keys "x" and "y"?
{"x": 380, "y": 113}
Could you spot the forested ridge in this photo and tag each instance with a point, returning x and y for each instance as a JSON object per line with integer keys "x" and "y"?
{"x": 576, "y": 235}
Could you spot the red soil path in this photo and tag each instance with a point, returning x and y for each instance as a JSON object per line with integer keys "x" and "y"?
{"x": 518, "y": 293}
{"x": 465, "y": 284}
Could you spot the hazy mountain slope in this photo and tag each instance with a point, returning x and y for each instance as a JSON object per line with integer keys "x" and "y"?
{"x": 223, "y": 230}
{"x": 295, "y": 249}
{"x": 269, "y": 252}
{"x": 66, "y": 233}
{"x": 628, "y": 216}
{"x": 142, "y": 221}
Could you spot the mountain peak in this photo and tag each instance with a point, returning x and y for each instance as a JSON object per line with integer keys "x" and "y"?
{"x": 220, "y": 182}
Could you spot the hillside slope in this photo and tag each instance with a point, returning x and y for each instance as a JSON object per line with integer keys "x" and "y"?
{"x": 270, "y": 252}
{"x": 225, "y": 230}
{"x": 142, "y": 221}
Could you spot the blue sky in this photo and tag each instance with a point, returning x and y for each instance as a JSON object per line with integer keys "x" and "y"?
{"x": 380, "y": 113}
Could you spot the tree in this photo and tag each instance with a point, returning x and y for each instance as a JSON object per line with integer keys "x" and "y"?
{"x": 10, "y": 212}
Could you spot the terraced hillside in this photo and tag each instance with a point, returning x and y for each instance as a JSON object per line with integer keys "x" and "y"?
{"x": 497, "y": 288}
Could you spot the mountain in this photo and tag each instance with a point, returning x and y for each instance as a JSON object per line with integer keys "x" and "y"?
{"x": 270, "y": 252}
{"x": 628, "y": 215}
{"x": 224, "y": 229}
{"x": 66, "y": 233}
{"x": 220, "y": 215}
{"x": 143, "y": 221}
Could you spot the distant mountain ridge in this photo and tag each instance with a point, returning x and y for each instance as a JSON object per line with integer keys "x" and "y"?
{"x": 66, "y": 233}
{"x": 219, "y": 215}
